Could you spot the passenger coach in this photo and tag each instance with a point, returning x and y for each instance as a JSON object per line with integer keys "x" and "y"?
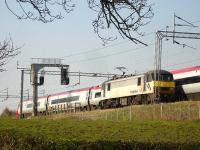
{"x": 187, "y": 83}
{"x": 84, "y": 99}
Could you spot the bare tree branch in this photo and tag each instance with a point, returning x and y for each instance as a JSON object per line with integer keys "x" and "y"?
{"x": 7, "y": 51}
{"x": 127, "y": 16}
{"x": 41, "y": 10}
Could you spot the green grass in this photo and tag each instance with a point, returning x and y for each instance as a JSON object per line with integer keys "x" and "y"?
{"x": 178, "y": 111}
{"x": 76, "y": 134}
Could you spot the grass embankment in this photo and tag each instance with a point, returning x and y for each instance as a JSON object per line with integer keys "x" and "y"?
{"x": 76, "y": 134}
{"x": 179, "y": 111}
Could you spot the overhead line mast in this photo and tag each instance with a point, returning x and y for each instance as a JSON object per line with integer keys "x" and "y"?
{"x": 158, "y": 48}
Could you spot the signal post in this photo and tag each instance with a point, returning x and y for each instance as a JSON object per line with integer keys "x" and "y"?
{"x": 36, "y": 67}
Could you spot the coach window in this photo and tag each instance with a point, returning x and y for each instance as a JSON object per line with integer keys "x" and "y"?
{"x": 29, "y": 105}
{"x": 108, "y": 87}
{"x": 139, "y": 81}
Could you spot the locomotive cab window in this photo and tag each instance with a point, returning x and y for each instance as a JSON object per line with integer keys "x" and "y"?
{"x": 139, "y": 81}
{"x": 98, "y": 94}
{"x": 148, "y": 78}
{"x": 163, "y": 77}
{"x": 166, "y": 77}
{"x": 108, "y": 87}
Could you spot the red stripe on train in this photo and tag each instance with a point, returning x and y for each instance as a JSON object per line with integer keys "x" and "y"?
{"x": 72, "y": 91}
{"x": 184, "y": 70}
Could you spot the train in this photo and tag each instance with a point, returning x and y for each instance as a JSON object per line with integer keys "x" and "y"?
{"x": 81, "y": 98}
{"x": 116, "y": 92}
{"x": 187, "y": 81}
{"x": 137, "y": 89}
{"x": 180, "y": 84}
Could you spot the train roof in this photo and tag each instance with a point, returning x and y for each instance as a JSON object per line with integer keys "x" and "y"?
{"x": 77, "y": 90}
{"x": 161, "y": 71}
{"x": 184, "y": 70}
{"x": 117, "y": 78}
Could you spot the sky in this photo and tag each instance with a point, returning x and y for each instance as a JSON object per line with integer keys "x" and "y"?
{"x": 73, "y": 40}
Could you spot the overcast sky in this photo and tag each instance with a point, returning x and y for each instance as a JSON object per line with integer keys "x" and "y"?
{"x": 74, "y": 34}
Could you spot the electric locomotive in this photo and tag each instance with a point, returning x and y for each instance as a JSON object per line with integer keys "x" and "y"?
{"x": 137, "y": 89}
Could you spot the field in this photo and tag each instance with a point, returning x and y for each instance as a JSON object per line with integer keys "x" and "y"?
{"x": 70, "y": 133}
{"x": 161, "y": 126}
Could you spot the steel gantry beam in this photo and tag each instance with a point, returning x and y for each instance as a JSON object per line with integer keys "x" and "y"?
{"x": 76, "y": 73}
{"x": 172, "y": 34}
{"x": 9, "y": 96}
{"x": 158, "y": 52}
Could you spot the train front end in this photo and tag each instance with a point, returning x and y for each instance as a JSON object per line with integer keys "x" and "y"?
{"x": 162, "y": 85}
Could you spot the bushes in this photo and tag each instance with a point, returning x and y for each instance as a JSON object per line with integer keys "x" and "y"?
{"x": 7, "y": 113}
{"x": 11, "y": 141}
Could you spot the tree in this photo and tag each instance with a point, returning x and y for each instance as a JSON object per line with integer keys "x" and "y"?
{"x": 127, "y": 16}
{"x": 7, "y": 51}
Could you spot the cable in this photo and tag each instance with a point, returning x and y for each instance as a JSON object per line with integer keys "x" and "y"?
{"x": 196, "y": 21}
{"x": 93, "y": 50}
{"x": 167, "y": 66}
{"x": 109, "y": 55}
{"x": 102, "y": 48}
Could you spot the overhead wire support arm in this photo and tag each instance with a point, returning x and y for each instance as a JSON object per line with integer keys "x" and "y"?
{"x": 188, "y": 23}
{"x": 187, "y": 35}
{"x": 158, "y": 50}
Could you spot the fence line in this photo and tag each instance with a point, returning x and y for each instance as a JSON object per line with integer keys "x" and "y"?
{"x": 199, "y": 110}
{"x": 188, "y": 110}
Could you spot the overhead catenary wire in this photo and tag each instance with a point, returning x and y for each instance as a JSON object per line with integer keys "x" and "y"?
{"x": 114, "y": 54}
{"x": 188, "y": 23}
{"x": 104, "y": 47}
{"x": 109, "y": 55}
{"x": 181, "y": 63}
{"x": 108, "y": 46}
